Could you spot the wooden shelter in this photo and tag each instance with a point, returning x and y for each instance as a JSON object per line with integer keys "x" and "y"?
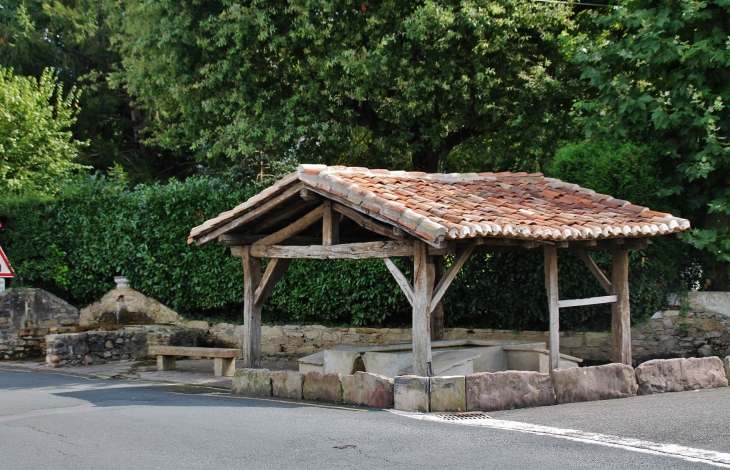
{"x": 337, "y": 212}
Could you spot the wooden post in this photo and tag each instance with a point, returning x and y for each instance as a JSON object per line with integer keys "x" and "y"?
{"x": 423, "y": 277}
{"x": 551, "y": 285}
{"x": 251, "y": 311}
{"x": 330, "y": 225}
{"x": 437, "y": 316}
{"x": 620, "y": 310}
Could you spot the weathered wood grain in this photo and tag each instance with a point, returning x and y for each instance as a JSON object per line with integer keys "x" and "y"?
{"x": 621, "y": 310}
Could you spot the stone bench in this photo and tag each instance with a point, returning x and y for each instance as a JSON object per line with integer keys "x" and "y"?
{"x": 224, "y": 363}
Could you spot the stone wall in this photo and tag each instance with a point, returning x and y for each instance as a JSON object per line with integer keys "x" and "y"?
{"x": 98, "y": 347}
{"x": 125, "y": 306}
{"x": 666, "y": 334}
{"x": 26, "y": 316}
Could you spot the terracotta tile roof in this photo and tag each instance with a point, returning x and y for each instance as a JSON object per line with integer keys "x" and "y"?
{"x": 439, "y": 207}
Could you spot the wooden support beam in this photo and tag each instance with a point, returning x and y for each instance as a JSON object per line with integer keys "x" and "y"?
{"x": 251, "y": 311}
{"x": 401, "y": 279}
{"x": 607, "y": 299}
{"x": 551, "y": 284}
{"x": 368, "y": 223}
{"x": 449, "y": 276}
{"x": 422, "y": 295}
{"x": 437, "y": 309}
{"x": 308, "y": 195}
{"x": 292, "y": 229}
{"x": 242, "y": 240}
{"x": 595, "y": 270}
{"x": 280, "y": 216}
{"x": 621, "y": 310}
{"x": 252, "y": 214}
{"x": 274, "y": 271}
{"x": 375, "y": 215}
{"x": 366, "y": 250}
{"x": 330, "y": 225}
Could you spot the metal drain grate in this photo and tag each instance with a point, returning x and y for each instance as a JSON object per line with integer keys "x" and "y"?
{"x": 463, "y": 416}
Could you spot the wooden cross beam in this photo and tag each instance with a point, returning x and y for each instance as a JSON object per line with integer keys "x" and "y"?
{"x": 401, "y": 279}
{"x": 294, "y": 228}
{"x": 252, "y": 214}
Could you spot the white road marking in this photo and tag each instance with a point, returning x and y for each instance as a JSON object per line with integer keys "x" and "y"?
{"x": 718, "y": 459}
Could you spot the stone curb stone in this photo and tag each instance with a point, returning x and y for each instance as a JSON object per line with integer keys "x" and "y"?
{"x": 677, "y": 375}
{"x": 367, "y": 389}
{"x": 322, "y": 387}
{"x": 252, "y": 382}
{"x": 287, "y": 384}
{"x": 448, "y": 393}
{"x": 410, "y": 393}
{"x": 594, "y": 383}
{"x": 492, "y": 391}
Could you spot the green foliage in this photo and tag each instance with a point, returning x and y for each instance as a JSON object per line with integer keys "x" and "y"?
{"x": 387, "y": 84}
{"x": 99, "y": 227}
{"x": 71, "y": 37}
{"x": 36, "y": 146}
{"x": 623, "y": 170}
{"x": 657, "y": 73}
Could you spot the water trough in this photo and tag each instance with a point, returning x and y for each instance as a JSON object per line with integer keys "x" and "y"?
{"x": 455, "y": 357}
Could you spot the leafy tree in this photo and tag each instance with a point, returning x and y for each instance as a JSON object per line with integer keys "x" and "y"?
{"x": 36, "y": 146}
{"x": 72, "y": 37}
{"x": 389, "y": 83}
{"x": 659, "y": 72}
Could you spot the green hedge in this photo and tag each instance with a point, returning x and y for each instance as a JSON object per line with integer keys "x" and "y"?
{"x": 97, "y": 228}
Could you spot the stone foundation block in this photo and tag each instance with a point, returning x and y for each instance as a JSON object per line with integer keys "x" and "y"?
{"x": 594, "y": 383}
{"x": 367, "y": 389}
{"x": 287, "y": 384}
{"x": 322, "y": 387}
{"x": 410, "y": 393}
{"x": 490, "y": 391}
{"x": 252, "y": 382}
{"x": 448, "y": 393}
{"x": 677, "y": 375}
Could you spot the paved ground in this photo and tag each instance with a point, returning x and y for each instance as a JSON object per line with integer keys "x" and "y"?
{"x": 49, "y": 419}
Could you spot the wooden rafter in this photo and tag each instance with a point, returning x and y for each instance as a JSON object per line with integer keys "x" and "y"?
{"x": 282, "y": 215}
{"x": 254, "y": 213}
{"x": 368, "y": 223}
{"x": 374, "y": 215}
{"x": 294, "y": 228}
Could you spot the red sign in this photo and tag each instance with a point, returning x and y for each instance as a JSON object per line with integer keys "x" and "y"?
{"x": 5, "y": 269}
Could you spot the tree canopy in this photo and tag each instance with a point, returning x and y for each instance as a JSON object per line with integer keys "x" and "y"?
{"x": 394, "y": 83}
{"x": 658, "y": 75}
{"x": 36, "y": 145}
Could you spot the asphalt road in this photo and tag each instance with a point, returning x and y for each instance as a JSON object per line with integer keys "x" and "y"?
{"x": 56, "y": 421}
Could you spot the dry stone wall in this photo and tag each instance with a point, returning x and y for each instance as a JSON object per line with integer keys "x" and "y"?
{"x": 666, "y": 334}
{"x": 26, "y": 316}
{"x": 98, "y": 347}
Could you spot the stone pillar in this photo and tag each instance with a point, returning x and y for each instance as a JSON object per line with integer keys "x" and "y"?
{"x": 423, "y": 276}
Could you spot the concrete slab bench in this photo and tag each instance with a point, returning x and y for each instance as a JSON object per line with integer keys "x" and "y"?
{"x": 224, "y": 360}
